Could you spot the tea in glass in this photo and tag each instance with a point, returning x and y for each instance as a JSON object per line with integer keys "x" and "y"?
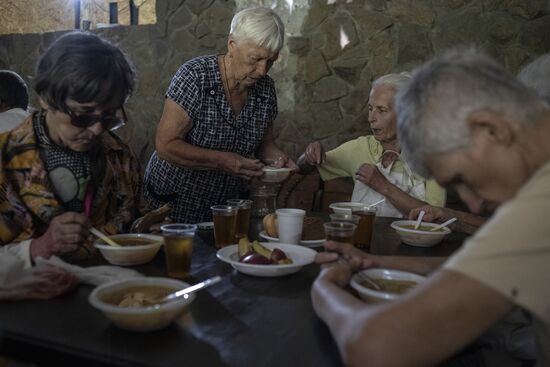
{"x": 225, "y": 221}
{"x": 339, "y": 231}
{"x": 365, "y": 227}
{"x": 178, "y": 248}
{"x": 244, "y": 208}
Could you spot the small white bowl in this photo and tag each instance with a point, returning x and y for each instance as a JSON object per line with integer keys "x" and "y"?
{"x": 130, "y": 255}
{"x": 372, "y": 295}
{"x": 418, "y": 237}
{"x": 272, "y": 174}
{"x": 140, "y": 318}
{"x": 346, "y": 207}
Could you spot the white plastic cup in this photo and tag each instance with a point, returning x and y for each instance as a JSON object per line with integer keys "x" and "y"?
{"x": 289, "y": 225}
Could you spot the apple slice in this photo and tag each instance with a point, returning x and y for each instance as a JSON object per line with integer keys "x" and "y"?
{"x": 244, "y": 247}
{"x": 264, "y": 251}
{"x": 256, "y": 259}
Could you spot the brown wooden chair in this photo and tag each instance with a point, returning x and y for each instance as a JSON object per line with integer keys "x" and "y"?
{"x": 301, "y": 191}
{"x": 335, "y": 190}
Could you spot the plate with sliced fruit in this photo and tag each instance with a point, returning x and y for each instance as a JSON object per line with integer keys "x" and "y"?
{"x": 265, "y": 259}
{"x": 307, "y": 243}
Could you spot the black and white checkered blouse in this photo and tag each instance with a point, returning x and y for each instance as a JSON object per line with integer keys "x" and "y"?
{"x": 198, "y": 88}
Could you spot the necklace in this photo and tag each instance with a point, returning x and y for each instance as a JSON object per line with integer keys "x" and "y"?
{"x": 226, "y": 81}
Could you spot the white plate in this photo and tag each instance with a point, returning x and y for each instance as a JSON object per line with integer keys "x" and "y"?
{"x": 306, "y": 243}
{"x": 300, "y": 256}
{"x": 205, "y": 225}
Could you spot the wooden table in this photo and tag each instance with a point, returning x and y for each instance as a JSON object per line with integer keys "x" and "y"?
{"x": 243, "y": 321}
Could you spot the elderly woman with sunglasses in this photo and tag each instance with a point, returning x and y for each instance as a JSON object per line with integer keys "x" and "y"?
{"x": 63, "y": 169}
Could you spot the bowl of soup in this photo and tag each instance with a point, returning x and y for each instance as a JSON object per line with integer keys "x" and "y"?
{"x": 273, "y": 174}
{"x": 392, "y": 283}
{"x": 346, "y": 207}
{"x": 421, "y": 237}
{"x": 132, "y": 304}
{"x": 135, "y": 248}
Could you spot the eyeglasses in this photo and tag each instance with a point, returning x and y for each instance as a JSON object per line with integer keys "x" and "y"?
{"x": 109, "y": 122}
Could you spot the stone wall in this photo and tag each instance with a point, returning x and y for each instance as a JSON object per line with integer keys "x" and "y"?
{"x": 334, "y": 49}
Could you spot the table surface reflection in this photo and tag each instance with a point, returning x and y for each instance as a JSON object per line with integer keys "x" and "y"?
{"x": 242, "y": 321}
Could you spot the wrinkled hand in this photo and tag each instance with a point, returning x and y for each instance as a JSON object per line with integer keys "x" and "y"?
{"x": 155, "y": 228}
{"x": 51, "y": 281}
{"x": 371, "y": 176}
{"x": 280, "y": 162}
{"x": 432, "y": 214}
{"x": 65, "y": 233}
{"x": 339, "y": 272}
{"x": 242, "y": 167}
{"x": 39, "y": 282}
{"x": 315, "y": 154}
{"x": 336, "y": 251}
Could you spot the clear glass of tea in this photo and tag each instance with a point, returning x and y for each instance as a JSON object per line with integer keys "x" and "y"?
{"x": 178, "y": 248}
{"x": 340, "y": 231}
{"x": 243, "y": 217}
{"x": 225, "y": 223}
{"x": 365, "y": 227}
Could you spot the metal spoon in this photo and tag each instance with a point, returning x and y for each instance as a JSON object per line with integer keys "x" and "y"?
{"x": 189, "y": 290}
{"x": 103, "y": 237}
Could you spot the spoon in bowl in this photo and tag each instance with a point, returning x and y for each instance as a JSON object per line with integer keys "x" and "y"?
{"x": 419, "y": 219}
{"x": 375, "y": 203}
{"x": 366, "y": 278}
{"x": 103, "y": 237}
{"x": 444, "y": 224}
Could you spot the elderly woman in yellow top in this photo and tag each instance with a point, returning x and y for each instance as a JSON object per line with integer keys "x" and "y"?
{"x": 374, "y": 161}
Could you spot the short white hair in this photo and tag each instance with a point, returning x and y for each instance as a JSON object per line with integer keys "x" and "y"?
{"x": 259, "y": 25}
{"x": 397, "y": 80}
{"x": 433, "y": 109}
{"x": 536, "y": 75}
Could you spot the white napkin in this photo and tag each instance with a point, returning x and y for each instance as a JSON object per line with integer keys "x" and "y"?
{"x": 94, "y": 275}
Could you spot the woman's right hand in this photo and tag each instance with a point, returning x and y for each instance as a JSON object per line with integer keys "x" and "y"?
{"x": 432, "y": 214}
{"x": 65, "y": 233}
{"x": 237, "y": 165}
{"x": 315, "y": 154}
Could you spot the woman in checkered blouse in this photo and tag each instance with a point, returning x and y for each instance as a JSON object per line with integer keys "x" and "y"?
{"x": 216, "y": 128}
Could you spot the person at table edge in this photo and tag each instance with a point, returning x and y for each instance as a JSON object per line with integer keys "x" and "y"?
{"x": 485, "y": 134}
{"x": 217, "y": 122}
{"x": 62, "y": 170}
{"x": 374, "y": 161}
{"x": 535, "y": 75}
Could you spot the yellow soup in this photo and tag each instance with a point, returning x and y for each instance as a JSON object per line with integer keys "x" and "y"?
{"x": 391, "y": 285}
{"x": 137, "y": 296}
{"x": 133, "y": 241}
{"x": 422, "y": 228}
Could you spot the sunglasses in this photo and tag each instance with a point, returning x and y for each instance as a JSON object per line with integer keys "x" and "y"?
{"x": 109, "y": 122}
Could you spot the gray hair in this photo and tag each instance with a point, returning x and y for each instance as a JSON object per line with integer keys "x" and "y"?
{"x": 536, "y": 75}
{"x": 397, "y": 80}
{"x": 259, "y": 25}
{"x": 433, "y": 109}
